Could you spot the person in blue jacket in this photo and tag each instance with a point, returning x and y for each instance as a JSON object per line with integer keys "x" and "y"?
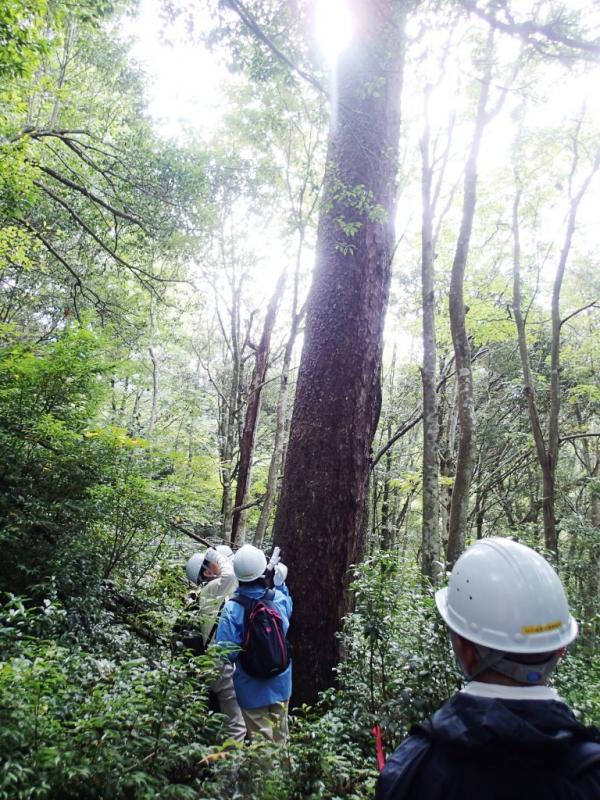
{"x": 263, "y": 701}
{"x": 506, "y": 735}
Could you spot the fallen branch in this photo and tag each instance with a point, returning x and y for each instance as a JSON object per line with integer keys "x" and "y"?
{"x": 179, "y": 527}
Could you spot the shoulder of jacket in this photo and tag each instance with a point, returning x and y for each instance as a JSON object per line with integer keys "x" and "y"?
{"x": 583, "y": 758}
{"x": 398, "y": 772}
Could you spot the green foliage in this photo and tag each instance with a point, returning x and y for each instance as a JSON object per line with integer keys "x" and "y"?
{"x": 21, "y": 36}
{"x": 47, "y": 394}
{"x": 77, "y": 501}
{"x": 577, "y": 680}
{"x": 398, "y": 667}
{"x": 78, "y": 725}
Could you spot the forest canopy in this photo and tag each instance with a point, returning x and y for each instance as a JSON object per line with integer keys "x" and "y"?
{"x": 318, "y": 275}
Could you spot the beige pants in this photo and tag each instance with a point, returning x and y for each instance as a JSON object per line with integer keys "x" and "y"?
{"x": 228, "y": 704}
{"x": 268, "y": 721}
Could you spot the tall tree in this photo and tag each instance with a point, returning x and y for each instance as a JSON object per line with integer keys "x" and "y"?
{"x": 547, "y": 444}
{"x": 462, "y": 347}
{"x": 319, "y": 521}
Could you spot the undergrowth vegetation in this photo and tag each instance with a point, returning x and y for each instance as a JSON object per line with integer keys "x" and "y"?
{"x": 94, "y": 702}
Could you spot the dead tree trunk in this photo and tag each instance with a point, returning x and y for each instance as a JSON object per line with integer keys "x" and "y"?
{"x": 319, "y": 522}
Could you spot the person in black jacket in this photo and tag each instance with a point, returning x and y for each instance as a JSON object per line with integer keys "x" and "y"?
{"x": 506, "y": 735}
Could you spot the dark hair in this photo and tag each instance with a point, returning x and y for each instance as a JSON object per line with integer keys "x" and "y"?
{"x": 260, "y": 581}
{"x": 530, "y": 658}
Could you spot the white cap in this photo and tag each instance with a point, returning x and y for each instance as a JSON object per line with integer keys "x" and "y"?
{"x": 505, "y": 596}
{"x": 225, "y": 550}
{"x": 249, "y": 563}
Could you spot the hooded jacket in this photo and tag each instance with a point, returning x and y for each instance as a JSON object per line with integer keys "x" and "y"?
{"x": 496, "y": 748}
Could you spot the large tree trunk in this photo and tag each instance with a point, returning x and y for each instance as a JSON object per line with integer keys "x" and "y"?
{"x": 238, "y": 523}
{"x": 319, "y": 523}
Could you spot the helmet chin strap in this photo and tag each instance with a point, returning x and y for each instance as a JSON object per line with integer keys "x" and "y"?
{"x": 527, "y": 674}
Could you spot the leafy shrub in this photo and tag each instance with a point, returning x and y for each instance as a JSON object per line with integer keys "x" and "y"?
{"x": 577, "y": 680}
{"x": 78, "y": 725}
{"x": 398, "y": 666}
{"x": 78, "y": 501}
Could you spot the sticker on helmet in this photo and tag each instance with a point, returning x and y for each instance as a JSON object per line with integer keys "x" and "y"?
{"x": 550, "y": 626}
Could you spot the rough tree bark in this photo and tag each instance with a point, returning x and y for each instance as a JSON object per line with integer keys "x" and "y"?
{"x": 319, "y": 522}
{"x": 590, "y": 459}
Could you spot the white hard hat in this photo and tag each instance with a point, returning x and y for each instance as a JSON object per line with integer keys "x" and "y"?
{"x": 194, "y": 566}
{"x": 505, "y": 596}
{"x": 225, "y": 550}
{"x": 249, "y": 563}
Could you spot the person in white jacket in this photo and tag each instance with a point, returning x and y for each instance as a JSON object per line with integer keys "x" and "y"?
{"x": 212, "y": 571}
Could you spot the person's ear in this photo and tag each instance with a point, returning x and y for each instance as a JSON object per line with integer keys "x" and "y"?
{"x": 467, "y": 654}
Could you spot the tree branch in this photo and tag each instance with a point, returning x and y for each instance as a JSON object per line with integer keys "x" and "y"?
{"x": 528, "y": 30}
{"x": 593, "y": 304}
{"x": 85, "y": 291}
{"x": 574, "y": 436}
{"x": 405, "y": 428}
{"x": 144, "y": 277}
{"x": 91, "y": 196}
{"x": 179, "y": 527}
{"x": 255, "y": 28}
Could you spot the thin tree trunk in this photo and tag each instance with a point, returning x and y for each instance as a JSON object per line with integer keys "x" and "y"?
{"x": 464, "y": 377}
{"x": 135, "y": 412}
{"x": 387, "y": 523}
{"x": 547, "y": 452}
{"x": 238, "y": 523}
{"x": 430, "y": 545}
{"x": 69, "y": 40}
{"x": 320, "y": 518}
{"x": 277, "y": 457}
{"x": 447, "y": 457}
{"x": 229, "y": 411}
{"x": 155, "y": 390}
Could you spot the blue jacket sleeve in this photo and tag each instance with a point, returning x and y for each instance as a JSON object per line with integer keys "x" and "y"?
{"x": 283, "y": 601}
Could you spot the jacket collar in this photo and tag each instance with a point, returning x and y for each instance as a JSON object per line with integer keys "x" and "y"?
{"x": 501, "y": 692}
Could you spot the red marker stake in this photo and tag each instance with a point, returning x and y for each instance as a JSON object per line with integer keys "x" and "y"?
{"x": 376, "y": 731}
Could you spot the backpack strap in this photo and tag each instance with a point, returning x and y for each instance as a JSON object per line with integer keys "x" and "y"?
{"x": 213, "y": 630}
{"x": 581, "y": 757}
{"x": 249, "y": 602}
{"x": 245, "y": 602}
